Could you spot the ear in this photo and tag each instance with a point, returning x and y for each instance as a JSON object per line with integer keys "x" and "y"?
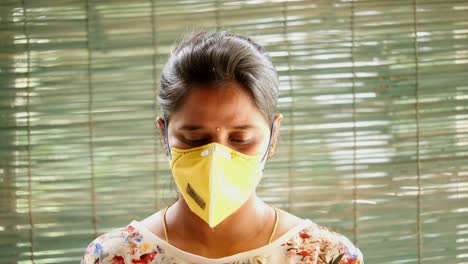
{"x": 274, "y": 137}
{"x": 162, "y": 126}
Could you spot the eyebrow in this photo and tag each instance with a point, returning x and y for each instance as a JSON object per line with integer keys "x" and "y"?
{"x": 191, "y": 128}
{"x": 243, "y": 127}
{"x": 196, "y": 128}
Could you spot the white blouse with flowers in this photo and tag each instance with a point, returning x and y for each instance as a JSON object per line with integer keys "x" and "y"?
{"x": 305, "y": 243}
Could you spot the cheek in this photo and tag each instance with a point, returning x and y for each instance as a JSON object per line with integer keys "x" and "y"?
{"x": 266, "y": 142}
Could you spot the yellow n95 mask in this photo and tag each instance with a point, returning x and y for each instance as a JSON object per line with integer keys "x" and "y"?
{"x": 214, "y": 179}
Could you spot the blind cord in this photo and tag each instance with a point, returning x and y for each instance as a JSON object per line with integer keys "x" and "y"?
{"x": 353, "y": 91}
{"x": 28, "y": 127}
{"x": 90, "y": 120}
{"x": 216, "y": 11}
{"x": 418, "y": 162}
{"x": 291, "y": 107}
{"x": 155, "y": 89}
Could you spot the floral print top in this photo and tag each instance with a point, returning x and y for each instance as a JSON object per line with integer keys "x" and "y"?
{"x": 306, "y": 243}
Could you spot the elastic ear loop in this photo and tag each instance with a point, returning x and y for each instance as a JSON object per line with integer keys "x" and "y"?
{"x": 269, "y": 141}
{"x": 168, "y": 148}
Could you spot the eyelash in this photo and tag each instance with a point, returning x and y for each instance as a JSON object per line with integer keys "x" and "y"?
{"x": 195, "y": 142}
{"x": 202, "y": 141}
{"x": 240, "y": 141}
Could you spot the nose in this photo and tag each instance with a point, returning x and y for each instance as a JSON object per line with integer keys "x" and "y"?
{"x": 220, "y": 136}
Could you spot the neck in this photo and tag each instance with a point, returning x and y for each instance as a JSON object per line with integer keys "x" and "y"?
{"x": 250, "y": 221}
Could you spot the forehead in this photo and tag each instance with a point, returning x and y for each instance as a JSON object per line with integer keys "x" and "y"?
{"x": 227, "y": 104}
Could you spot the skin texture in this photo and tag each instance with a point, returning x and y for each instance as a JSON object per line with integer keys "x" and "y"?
{"x": 226, "y": 115}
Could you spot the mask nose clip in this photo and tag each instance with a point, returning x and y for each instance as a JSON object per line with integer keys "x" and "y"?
{"x": 216, "y": 148}
{"x": 206, "y": 152}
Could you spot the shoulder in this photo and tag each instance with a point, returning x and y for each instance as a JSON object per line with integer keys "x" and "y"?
{"x": 120, "y": 246}
{"x": 287, "y": 221}
{"x": 318, "y": 244}
{"x": 154, "y": 223}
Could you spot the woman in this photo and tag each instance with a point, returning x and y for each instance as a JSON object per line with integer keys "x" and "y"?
{"x": 218, "y": 95}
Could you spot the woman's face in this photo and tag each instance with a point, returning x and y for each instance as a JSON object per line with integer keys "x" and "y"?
{"x": 226, "y": 115}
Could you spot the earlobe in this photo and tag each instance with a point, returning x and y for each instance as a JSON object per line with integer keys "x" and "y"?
{"x": 162, "y": 126}
{"x": 274, "y": 139}
{"x": 271, "y": 152}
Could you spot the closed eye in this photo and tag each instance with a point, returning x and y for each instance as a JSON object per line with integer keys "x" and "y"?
{"x": 196, "y": 141}
{"x": 241, "y": 140}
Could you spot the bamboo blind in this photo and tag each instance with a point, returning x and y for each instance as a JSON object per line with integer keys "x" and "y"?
{"x": 374, "y": 142}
